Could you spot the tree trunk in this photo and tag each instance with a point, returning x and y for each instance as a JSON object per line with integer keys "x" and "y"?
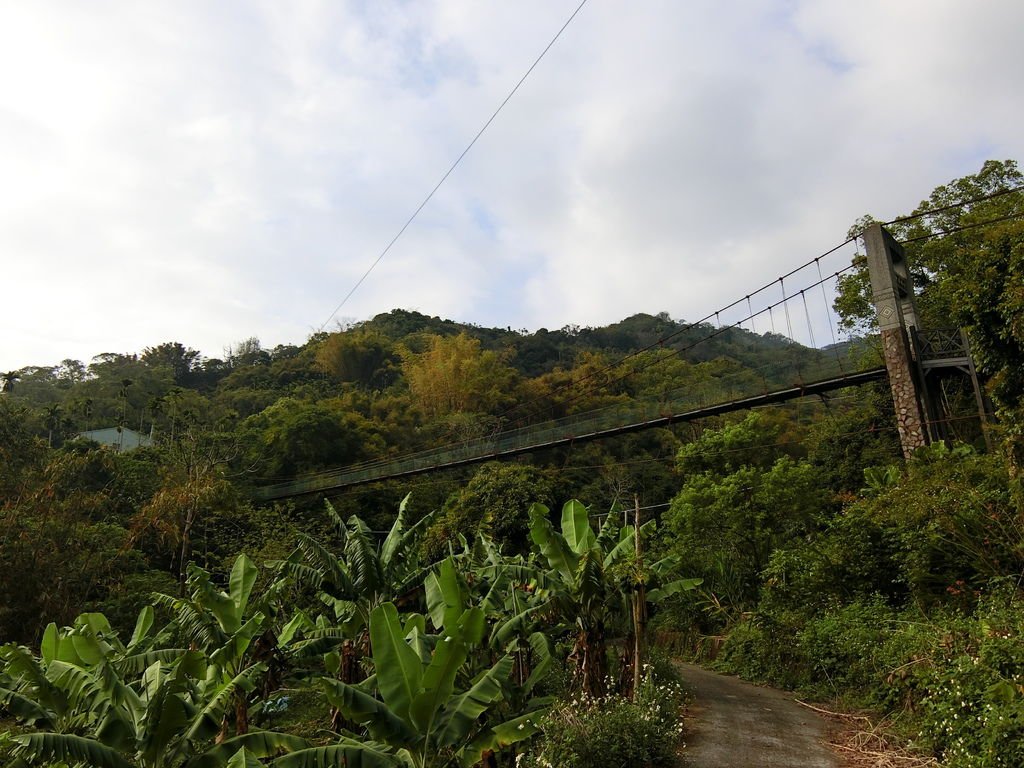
{"x": 349, "y": 672}
{"x": 591, "y": 658}
{"x": 627, "y": 667}
{"x": 186, "y": 551}
{"x": 241, "y": 714}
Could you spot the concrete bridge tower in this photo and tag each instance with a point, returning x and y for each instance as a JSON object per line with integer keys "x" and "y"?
{"x": 917, "y": 359}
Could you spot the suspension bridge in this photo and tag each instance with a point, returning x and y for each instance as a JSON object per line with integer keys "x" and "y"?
{"x": 792, "y": 317}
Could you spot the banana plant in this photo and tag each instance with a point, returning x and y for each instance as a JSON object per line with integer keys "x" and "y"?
{"x": 512, "y": 596}
{"x": 87, "y": 706}
{"x": 584, "y": 597}
{"x": 586, "y": 593}
{"x": 33, "y": 690}
{"x": 362, "y": 575}
{"x": 421, "y": 708}
{"x": 644, "y": 583}
{"x": 234, "y": 631}
{"x": 585, "y": 579}
{"x": 366, "y": 572}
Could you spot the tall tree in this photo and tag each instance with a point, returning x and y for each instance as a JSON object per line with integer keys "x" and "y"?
{"x": 363, "y": 357}
{"x": 193, "y": 485}
{"x": 293, "y": 436}
{"x": 71, "y": 371}
{"x": 741, "y": 499}
{"x": 175, "y": 356}
{"x": 453, "y": 375}
{"x": 9, "y": 378}
{"x": 939, "y": 262}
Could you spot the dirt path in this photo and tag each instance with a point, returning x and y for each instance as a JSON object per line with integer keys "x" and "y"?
{"x": 738, "y": 725}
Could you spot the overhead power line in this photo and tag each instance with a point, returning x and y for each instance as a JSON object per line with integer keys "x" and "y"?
{"x": 454, "y": 165}
{"x": 951, "y": 206}
{"x": 964, "y": 227}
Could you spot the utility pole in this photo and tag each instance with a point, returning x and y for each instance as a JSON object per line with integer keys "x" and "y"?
{"x": 639, "y": 601}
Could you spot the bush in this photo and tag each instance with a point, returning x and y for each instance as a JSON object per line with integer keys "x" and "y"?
{"x": 959, "y": 675}
{"x": 612, "y": 731}
{"x": 840, "y": 645}
{"x": 762, "y": 648}
{"x": 868, "y": 654}
{"x": 973, "y": 709}
{"x": 851, "y": 558}
{"x": 494, "y": 502}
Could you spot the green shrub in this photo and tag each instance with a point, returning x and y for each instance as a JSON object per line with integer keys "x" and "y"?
{"x": 973, "y": 708}
{"x": 763, "y": 648}
{"x": 613, "y": 732}
{"x": 494, "y": 502}
{"x": 851, "y": 558}
{"x": 843, "y": 646}
{"x": 868, "y": 654}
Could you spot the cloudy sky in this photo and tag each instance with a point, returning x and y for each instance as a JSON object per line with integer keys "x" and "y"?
{"x": 206, "y": 172}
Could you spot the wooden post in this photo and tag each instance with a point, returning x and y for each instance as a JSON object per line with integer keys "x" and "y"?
{"x": 639, "y": 600}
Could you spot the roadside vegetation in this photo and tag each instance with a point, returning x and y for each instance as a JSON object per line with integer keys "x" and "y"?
{"x": 834, "y": 568}
{"x": 487, "y": 651}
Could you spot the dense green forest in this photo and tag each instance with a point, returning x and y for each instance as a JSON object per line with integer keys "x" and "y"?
{"x": 156, "y": 615}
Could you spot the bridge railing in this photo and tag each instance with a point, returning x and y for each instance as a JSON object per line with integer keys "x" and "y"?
{"x": 940, "y": 343}
{"x": 711, "y": 393}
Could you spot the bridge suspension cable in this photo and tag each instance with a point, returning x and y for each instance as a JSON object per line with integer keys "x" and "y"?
{"x": 672, "y": 353}
{"x": 751, "y": 317}
{"x": 660, "y": 342}
{"x": 703, "y": 401}
{"x": 748, "y": 389}
{"x": 965, "y": 227}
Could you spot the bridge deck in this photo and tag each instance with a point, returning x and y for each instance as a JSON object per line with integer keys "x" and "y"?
{"x": 542, "y": 437}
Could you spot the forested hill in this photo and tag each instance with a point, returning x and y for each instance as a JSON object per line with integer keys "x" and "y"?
{"x": 426, "y": 369}
{"x": 544, "y": 350}
{"x": 400, "y": 382}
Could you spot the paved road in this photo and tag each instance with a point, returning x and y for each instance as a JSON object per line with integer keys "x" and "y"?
{"x": 734, "y": 724}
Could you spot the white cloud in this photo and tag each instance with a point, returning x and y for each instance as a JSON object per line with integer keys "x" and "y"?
{"x": 206, "y": 172}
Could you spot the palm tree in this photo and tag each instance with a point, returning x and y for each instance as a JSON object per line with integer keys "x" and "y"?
{"x": 87, "y": 411}
{"x": 173, "y": 397}
{"x": 123, "y": 394}
{"x": 53, "y": 421}
{"x": 156, "y": 407}
{"x": 8, "y": 380}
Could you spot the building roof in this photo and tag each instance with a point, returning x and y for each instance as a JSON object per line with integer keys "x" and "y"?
{"x": 118, "y": 438}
